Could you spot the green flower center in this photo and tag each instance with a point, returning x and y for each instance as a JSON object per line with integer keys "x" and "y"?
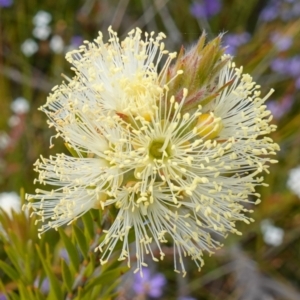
{"x": 158, "y": 150}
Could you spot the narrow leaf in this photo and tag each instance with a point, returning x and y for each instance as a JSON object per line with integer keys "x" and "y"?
{"x": 88, "y": 225}
{"x": 106, "y": 278}
{"x": 81, "y": 240}
{"x": 71, "y": 249}
{"x": 11, "y": 272}
{"x": 55, "y": 286}
{"x": 96, "y": 291}
{"x": 24, "y": 293}
{"x": 89, "y": 269}
{"x": 67, "y": 276}
{"x": 38, "y": 295}
{"x": 13, "y": 296}
{"x": 13, "y": 257}
{"x": 96, "y": 216}
{"x": 3, "y": 289}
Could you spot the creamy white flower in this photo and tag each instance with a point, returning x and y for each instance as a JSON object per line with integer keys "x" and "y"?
{"x": 84, "y": 180}
{"x": 119, "y": 77}
{"x": 169, "y": 174}
{"x": 206, "y": 180}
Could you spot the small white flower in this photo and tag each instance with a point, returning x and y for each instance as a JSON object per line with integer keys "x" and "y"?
{"x": 20, "y": 106}
{"x": 41, "y": 32}
{"x": 42, "y": 18}
{"x": 4, "y": 140}
{"x": 29, "y": 47}
{"x": 170, "y": 169}
{"x": 13, "y": 121}
{"x": 293, "y": 181}
{"x": 272, "y": 235}
{"x": 57, "y": 44}
{"x": 9, "y": 202}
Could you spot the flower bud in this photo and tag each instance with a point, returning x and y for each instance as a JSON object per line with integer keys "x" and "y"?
{"x": 208, "y": 126}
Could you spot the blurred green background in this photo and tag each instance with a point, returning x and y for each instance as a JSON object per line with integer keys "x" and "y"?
{"x": 262, "y": 35}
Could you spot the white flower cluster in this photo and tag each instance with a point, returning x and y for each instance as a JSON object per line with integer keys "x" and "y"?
{"x": 169, "y": 175}
{"x": 42, "y": 31}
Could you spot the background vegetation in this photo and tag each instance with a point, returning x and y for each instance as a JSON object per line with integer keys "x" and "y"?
{"x": 264, "y": 38}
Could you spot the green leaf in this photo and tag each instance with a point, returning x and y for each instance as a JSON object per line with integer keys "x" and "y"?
{"x": 89, "y": 268}
{"x": 11, "y": 272}
{"x": 32, "y": 294}
{"x": 80, "y": 292}
{"x": 106, "y": 278}
{"x": 97, "y": 216}
{"x": 71, "y": 249}
{"x": 109, "y": 295}
{"x": 81, "y": 240}
{"x": 96, "y": 291}
{"x": 24, "y": 293}
{"x": 14, "y": 296}
{"x": 28, "y": 267}
{"x": 13, "y": 257}
{"x": 66, "y": 275}
{"x": 38, "y": 295}
{"x": 55, "y": 286}
{"x": 3, "y": 289}
{"x": 16, "y": 241}
{"x": 88, "y": 225}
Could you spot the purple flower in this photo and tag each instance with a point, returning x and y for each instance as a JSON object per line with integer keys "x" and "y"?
{"x": 279, "y": 65}
{"x": 281, "y": 42}
{"x": 271, "y": 11}
{"x": 64, "y": 255}
{"x": 286, "y": 10}
{"x": 294, "y": 66}
{"x": 44, "y": 286}
{"x": 150, "y": 284}
{"x": 296, "y": 9}
{"x": 6, "y": 3}
{"x": 279, "y": 108}
{"x": 205, "y": 8}
{"x": 76, "y": 41}
{"x": 289, "y": 67}
{"x": 2, "y": 297}
{"x": 186, "y": 298}
{"x": 234, "y": 40}
{"x": 297, "y": 83}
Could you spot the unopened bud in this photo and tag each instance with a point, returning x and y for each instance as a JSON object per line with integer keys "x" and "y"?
{"x": 208, "y": 126}
{"x": 102, "y": 197}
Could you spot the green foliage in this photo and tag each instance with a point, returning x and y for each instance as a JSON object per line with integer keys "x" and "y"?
{"x": 31, "y": 263}
{"x": 71, "y": 249}
{"x": 67, "y": 276}
{"x": 11, "y": 272}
